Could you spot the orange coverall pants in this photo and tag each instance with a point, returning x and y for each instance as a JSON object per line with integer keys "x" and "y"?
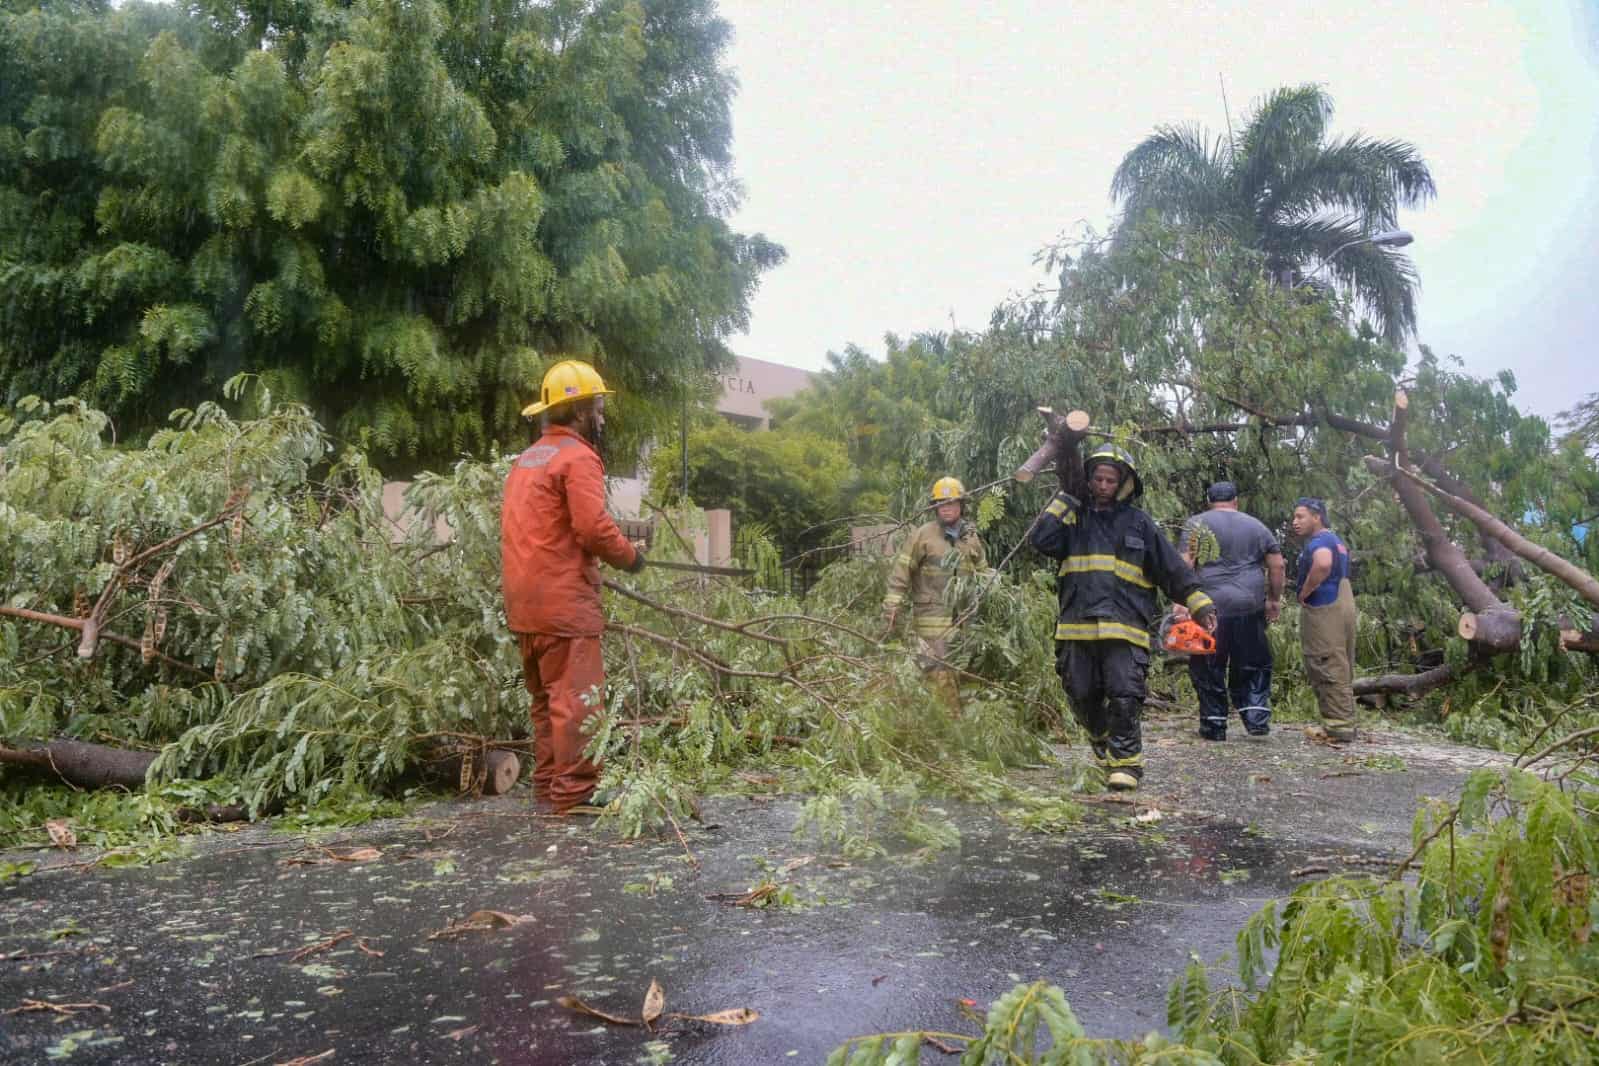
{"x": 566, "y": 677}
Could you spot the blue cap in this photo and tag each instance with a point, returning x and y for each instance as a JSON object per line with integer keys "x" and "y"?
{"x": 1222, "y": 491}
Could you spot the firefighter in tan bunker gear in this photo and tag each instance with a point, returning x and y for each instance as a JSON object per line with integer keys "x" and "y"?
{"x": 946, "y": 547}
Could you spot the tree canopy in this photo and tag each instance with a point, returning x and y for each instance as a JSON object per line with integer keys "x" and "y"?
{"x": 1283, "y": 187}
{"x": 397, "y": 213}
{"x": 786, "y": 481}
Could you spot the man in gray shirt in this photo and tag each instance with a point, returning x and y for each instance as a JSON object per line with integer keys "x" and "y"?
{"x": 1240, "y": 566}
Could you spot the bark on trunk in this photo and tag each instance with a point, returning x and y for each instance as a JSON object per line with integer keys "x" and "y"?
{"x": 1060, "y": 444}
{"x": 1497, "y": 627}
{"x": 82, "y": 764}
{"x": 1406, "y": 684}
{"x": 492, "y": 773}
{"x": 1577, "y": 578}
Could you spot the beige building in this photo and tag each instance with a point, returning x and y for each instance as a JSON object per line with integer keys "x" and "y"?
{"x": 745, "y": 391}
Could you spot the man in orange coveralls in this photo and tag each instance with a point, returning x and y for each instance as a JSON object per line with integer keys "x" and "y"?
{"x": 553, "y": 526}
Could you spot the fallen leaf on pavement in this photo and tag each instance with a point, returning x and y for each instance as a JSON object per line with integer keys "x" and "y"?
{"x": 480, "y": 921}
{"x": 1149, "y": 817}
{"x": 66, "y": 1010}
{"x": 328, "y": 855}
{"x": 459, "y": 1035}
{"x": 573, "y": 1003}
{"x": 736, "y": 1016}
{"x": 307, "y": 1060}
{"x": 355, "y": 855}
{"x": 61, "y": 834}
{"x": 654, "y": 1002}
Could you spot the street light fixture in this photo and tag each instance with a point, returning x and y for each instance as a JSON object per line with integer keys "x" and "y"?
{"x": 1388, "y": 238}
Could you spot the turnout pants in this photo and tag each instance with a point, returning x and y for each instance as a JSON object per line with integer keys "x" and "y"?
{"x": 1327, "y": 635}
{"x": 1240, "y": 670}
{"x": 1104, "y": 682}
{"x": 566, "y": 677}
{"x": 934, "y": 648}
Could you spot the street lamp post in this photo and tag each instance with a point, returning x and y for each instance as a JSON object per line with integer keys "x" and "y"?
{"x": 1391, "y": 238}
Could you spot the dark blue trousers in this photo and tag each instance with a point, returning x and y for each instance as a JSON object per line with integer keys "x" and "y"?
{"x": 1240, "y": 669}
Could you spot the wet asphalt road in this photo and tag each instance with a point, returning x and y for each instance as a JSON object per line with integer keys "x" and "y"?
{"x": 195, "y": 959}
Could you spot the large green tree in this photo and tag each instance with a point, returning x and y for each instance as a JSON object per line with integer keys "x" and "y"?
{"x": 397, "y": 212}
{"x": 1282, "y": 185}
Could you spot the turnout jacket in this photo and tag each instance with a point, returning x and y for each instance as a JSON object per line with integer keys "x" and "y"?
{"x": 1111, "y": 563}
{"x": 553, "y": 526}
{"x": 922, "y": 571}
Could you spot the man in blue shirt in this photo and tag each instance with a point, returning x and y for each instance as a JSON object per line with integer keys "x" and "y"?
{"x": 1327, "y": 619}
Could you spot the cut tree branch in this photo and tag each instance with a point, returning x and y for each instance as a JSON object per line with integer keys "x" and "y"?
{"x": 81, "y": 624}
{"x": 1488, "y": 622}
{"x": 1407, "y": 684}
{"x": 82, "y": 764}
{"x": 1577, "y": 578}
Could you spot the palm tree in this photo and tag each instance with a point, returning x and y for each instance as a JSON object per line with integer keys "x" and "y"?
{"x": 1283, "y": 187}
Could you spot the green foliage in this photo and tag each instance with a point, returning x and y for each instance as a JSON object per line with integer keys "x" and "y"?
{"x": 316, "y": 653}
{"x": 884, "y": 412}
{"x": 304, "y": 651}
{"x": 1486, "y": 957}
{"x": 787, "y": 481}
{"x": 396, "y": 212}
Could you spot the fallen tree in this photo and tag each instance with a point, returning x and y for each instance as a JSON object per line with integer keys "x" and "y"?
{"x": 295, "y": 648}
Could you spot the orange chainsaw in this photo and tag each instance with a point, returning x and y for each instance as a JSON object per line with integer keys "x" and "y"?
{"x": 1190, "y": 638}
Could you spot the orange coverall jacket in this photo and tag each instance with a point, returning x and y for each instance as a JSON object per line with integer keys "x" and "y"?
{"x": 553, "y": 526}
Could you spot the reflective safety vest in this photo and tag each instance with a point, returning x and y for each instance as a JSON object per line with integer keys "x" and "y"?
{"x": 1111, "y": 563}
{"x": 922, "y": 571}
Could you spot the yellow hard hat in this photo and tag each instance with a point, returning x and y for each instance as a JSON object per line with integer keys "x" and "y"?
{"x": 948, "y": 490}
{"x": 565, "y": 382}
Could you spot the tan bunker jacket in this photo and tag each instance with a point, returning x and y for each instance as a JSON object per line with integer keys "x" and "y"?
{"x": 922, "y": 571}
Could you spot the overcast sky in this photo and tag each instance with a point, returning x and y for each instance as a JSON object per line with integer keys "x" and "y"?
{"x": 913, "y": 156}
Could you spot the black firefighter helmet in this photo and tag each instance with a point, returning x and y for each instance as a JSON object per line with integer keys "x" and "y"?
{"x": 1131, "y": 486}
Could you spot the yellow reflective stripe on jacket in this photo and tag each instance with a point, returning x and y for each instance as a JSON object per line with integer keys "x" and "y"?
{"x": 1102, "y": 629}
{"x": 1198, "y": 601}
{"x": 1061, "y": 510}
{"x": 1109, "y": 564}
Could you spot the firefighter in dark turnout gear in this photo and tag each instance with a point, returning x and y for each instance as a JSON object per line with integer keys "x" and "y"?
{"x": 1112, "y": 559}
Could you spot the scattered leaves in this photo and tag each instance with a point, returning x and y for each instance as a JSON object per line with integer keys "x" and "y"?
{"x": 654, "y": 1004}
{"x": 478, "y": 922}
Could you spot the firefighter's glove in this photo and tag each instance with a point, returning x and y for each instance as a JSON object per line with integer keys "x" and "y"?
{"x": 638, "y": 561}
{"x": 1206, "y": 616}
